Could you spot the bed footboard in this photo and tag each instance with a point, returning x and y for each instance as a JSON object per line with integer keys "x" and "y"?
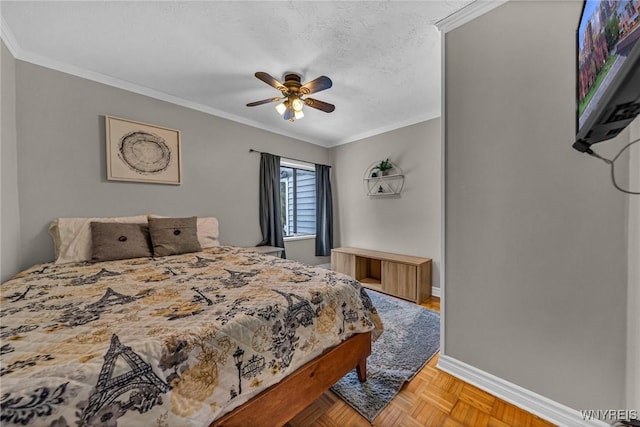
{"x": 283, "y": 401}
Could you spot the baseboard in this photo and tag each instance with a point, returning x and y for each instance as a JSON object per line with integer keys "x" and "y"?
{"x": 529, "y": 401}
{"x": 435, "y": 292}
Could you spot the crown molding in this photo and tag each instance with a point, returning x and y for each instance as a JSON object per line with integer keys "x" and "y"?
{"x": 8, "y": 38}
{"x": 151, "y": 93}
{"x": 384, "y": 129}
{"x": 467, "y": 14}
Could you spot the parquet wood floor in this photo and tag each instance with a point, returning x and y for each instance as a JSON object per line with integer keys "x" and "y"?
{"x": 433, "y": 398}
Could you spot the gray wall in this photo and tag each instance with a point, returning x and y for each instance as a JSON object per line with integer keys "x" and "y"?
{"x": 536, "y": 245}
{"x": 9, "y": 211}
{"x": 62, "y": 171}
{"x": 633, "y": 297}
{"x": 408, "y": 223}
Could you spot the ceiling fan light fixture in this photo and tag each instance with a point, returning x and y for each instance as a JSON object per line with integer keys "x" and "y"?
{"x": 296, "y": 103}
{"x": 281, "y": 108}
{"x": 292, "y": 92}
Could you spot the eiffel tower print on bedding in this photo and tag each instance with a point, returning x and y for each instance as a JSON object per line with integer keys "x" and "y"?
{"x": 177, "y": 340}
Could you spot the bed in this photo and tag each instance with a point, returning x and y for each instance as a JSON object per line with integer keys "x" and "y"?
{"x": 224, "y": 336}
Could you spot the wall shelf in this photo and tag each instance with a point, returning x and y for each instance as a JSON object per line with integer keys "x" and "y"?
{"x": 383, "y": 185}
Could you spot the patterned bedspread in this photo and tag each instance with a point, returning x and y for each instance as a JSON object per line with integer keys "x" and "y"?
{"x": 173, "y": 341}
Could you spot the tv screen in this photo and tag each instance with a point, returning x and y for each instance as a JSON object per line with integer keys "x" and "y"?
{"x": 608, "y": 69}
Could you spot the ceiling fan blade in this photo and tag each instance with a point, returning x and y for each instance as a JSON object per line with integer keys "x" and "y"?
{"x": 264, "y": 101}
{"x": 316, "y": 85}
{"x": 288, "y": 114}
{"x": 271, "y": 81}
{"x": 319, "y": 105}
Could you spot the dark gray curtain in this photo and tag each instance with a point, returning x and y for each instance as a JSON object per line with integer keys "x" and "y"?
{"x": 324, "y": 211}
{"x": 270, "y": 216}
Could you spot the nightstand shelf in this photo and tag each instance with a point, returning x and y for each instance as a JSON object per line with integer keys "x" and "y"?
{"x": 267, "y": 250}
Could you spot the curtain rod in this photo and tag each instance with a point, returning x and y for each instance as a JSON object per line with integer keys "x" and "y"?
{"x": 251, "y": 150}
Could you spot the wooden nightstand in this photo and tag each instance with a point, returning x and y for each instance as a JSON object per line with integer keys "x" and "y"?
{"x": 267, "y": 250}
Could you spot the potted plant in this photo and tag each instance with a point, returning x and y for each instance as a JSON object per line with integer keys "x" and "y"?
{"x": 384, "y": 166}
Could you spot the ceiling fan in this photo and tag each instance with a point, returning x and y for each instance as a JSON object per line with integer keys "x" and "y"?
{"x": 292, "y": 95}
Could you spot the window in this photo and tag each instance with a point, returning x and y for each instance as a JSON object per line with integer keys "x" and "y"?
{"x": 297, "y": 199}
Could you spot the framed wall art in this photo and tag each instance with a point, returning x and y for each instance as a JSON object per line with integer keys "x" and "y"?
{"x": 141, "y": 152}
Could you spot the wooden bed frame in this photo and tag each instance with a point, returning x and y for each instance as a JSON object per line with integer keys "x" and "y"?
{"x": 284, "y": 400}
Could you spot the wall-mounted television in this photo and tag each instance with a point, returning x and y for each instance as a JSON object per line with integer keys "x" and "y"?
{"x": 607, "y": 70}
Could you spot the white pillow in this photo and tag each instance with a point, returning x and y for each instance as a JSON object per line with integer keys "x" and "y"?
{"x": 207, "y": 229}
{"x": 208, "y": 232}
{"x": 72, "y": 236}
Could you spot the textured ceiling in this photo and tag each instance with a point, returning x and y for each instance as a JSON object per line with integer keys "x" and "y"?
{"x": 383, "y": 57}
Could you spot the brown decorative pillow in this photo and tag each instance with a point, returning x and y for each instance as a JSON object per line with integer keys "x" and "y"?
{"x": 173, "y": 236}
{"x": 112, "y": 240}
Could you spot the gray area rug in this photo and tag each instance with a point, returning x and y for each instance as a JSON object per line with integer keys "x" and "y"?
{"x": 410, "y": 339}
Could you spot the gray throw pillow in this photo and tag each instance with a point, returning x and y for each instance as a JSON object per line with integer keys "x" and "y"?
{"x": 173, "y": 236}
{"x": 112, "y": 240}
